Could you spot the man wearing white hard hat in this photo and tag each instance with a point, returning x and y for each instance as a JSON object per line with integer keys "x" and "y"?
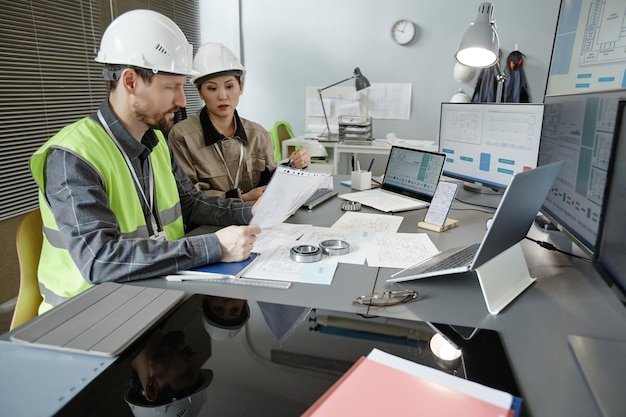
{"x": 114, "y": 203}
{"x": 224, "y": 154}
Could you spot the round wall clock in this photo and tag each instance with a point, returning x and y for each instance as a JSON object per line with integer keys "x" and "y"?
{"x": 403, "y": 31}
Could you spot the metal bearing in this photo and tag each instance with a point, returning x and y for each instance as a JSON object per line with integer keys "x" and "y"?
{"x": 351, "y": 206}
{"x": 305, "y": 253}
{"x": 335, "y": 247}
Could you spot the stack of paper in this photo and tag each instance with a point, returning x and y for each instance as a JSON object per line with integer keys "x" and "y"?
{"x": 386, "y": 385}
{"x": 286, "y": 193}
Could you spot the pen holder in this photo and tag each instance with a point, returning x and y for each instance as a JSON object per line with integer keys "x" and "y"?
{"x": 361, "y": 180}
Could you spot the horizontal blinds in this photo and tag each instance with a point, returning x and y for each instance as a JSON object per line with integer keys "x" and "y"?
{"x": 49, "y": 79}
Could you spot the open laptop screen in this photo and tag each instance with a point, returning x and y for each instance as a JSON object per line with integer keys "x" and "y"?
{"x": 413, "y": 172}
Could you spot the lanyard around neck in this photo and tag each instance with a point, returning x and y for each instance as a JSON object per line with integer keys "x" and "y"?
{"x": 234, "y": 184}
{"x": 149, "y": 201}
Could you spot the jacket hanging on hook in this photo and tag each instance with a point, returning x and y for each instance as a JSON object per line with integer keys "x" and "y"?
{"x": 515, "y": 89}
{"x": 486, "y": 86}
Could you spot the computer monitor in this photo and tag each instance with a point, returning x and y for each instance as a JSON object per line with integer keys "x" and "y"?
{"x": 588, "y": 50}
{"x": 578, "y": 129}
{"x": 608, "y": 257}
{"x": 486, "y": 143}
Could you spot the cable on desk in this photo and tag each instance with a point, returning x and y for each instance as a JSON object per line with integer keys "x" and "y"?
{"x": 474, "y": 204}
{"x": 550, "y": 246}
{"x": 473, "y": 209}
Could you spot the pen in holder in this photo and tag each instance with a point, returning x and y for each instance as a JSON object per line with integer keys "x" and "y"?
{"x": 361, "y": 180}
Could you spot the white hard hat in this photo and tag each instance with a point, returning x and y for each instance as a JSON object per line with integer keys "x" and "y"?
{"x": 213, "y": 59}
{"x": 220, "y": 329}
{"x": 188, "y": 406}
{"x": 146, "y": 39}
{"x": 460, "y": 97}
{"x": 462, "y": 73}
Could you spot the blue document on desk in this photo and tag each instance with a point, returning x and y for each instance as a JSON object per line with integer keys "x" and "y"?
{"x": 234, "y": 269}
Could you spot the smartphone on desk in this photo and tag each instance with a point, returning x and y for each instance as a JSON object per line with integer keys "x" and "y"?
{"x": 441, "y": 203}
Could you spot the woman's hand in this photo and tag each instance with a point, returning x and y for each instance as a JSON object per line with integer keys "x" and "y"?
{"x": 300, "y": 158}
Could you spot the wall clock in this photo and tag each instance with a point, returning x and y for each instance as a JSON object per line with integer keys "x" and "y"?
{"x": 403, "y": 31}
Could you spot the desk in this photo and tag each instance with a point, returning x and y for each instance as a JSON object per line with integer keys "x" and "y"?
{"x": 569, "y": 298}
{"x": 336, "y": 149}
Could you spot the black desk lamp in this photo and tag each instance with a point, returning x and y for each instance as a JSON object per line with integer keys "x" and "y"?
{"x": 480, "y": 46}
{"x": 360, "y": 83}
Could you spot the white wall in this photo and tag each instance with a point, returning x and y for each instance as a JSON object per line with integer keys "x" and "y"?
{"x": 288, "y": 45}
{"x": 219, "y": 22}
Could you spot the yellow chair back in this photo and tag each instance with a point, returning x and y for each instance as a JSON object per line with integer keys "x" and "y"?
{"x": 279, "y": 132}
{"x": 28, "y": 240}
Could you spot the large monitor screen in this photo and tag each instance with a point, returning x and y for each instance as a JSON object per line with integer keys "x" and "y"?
{"x": 578, "y": 129}
{"x": 487, "y": 143}
{"x": 609, "y": 257}
{"x": 589, "y": 51}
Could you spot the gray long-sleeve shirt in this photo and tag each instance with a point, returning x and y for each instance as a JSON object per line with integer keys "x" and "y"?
{"x": 91, "y": 231}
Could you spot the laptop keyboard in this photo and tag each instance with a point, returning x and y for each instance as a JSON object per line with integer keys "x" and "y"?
{"x": 460, "y": 258}
{"x": 319, "y": 196}
{"x": 103, "y": 320}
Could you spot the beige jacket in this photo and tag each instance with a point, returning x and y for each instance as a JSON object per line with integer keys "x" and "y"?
{"x": 193, "y": 142}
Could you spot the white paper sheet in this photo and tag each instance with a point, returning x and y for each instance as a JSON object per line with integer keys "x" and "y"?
{"x": 276, "y": 265}
{"x": 284, "y": 234}
{"x": 286, "y": 192}
{"x": 399, "y": 250}
{"x": 367, "y": 221}
{"x": 390, "y": 101}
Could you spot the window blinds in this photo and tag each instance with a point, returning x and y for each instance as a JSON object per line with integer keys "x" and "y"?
{"x": 49, "y": 79}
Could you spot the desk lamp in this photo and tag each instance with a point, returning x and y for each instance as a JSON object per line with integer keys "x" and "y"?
{"x": 360, "y": 83}
{"x": 480, "y": 47}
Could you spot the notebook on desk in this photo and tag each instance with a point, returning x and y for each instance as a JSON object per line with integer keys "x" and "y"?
{"x": 103, "y": 320}
{"x": 409, "y": 183}
{"x": 504, "y": 280}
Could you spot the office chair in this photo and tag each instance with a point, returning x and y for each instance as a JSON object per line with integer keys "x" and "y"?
{"x": 28, "y": 240}
{"x": 280, "y": 132}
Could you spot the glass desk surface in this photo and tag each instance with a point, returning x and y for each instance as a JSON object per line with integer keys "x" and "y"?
{"x": 275, "y": 359}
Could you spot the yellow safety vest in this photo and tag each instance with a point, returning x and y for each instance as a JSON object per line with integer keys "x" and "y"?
{"x": 59, "y": 278}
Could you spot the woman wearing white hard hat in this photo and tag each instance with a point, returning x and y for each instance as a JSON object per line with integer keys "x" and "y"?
{"x": 223, "y": 154}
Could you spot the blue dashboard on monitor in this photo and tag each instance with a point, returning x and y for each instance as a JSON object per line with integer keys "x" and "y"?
{"x": 486, "y": 143}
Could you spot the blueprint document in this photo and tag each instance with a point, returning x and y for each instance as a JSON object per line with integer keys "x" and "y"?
{"x": 286, "y": 193}
{"x": 372, "y": 238}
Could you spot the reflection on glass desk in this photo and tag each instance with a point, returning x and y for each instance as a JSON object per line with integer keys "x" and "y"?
{"x": 242, "y": 358}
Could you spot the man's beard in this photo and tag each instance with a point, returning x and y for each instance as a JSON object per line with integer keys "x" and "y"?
{"x": 160, "y": 123}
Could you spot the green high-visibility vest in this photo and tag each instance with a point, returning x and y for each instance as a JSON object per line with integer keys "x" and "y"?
{"x": 59, "y": 278}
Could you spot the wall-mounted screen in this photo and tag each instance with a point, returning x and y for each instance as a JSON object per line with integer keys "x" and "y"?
{"x": 487, "y": 143}
{"x": 589, "y": 51}
{"x": 578, "y": 129}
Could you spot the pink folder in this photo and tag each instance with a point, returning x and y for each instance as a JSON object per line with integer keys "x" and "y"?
{"x": 370, "y": 388}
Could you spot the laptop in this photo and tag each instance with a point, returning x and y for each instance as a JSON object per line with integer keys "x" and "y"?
{"x": 103, "y": 320}
{"x": 409, "y": 183}
{"x": 497, "y": 259}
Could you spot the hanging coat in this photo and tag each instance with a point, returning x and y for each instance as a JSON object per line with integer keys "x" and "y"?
{"x": 486, "y": 86}
{"x": 515, "y": 89}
